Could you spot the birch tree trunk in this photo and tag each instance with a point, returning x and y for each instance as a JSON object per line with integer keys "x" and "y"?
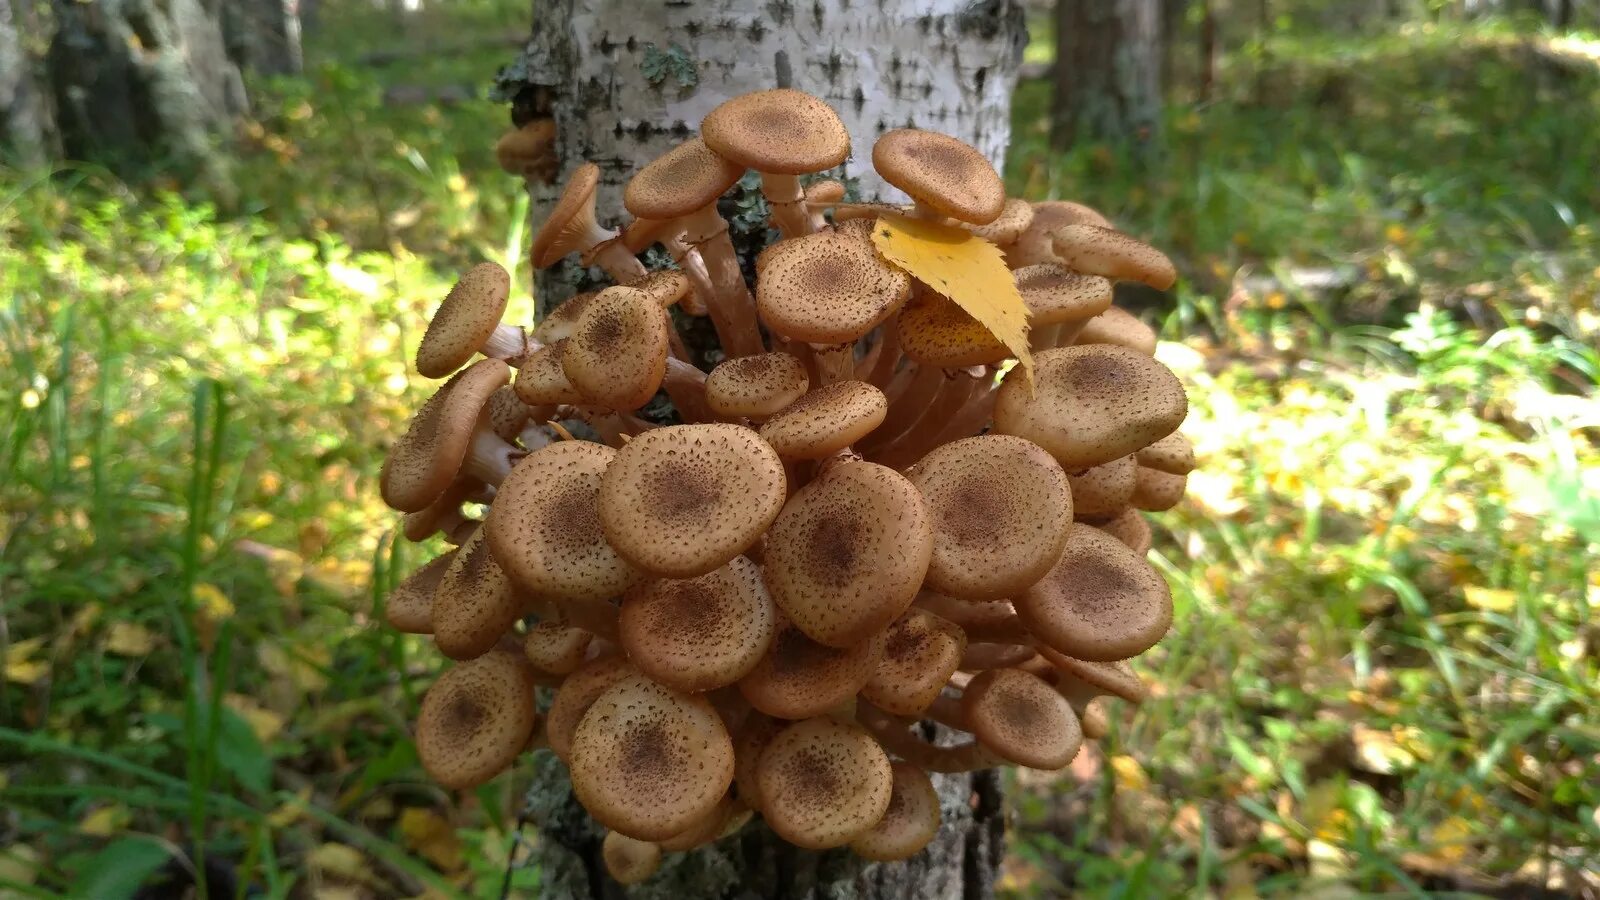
{"x": 1108, "y": 72}
{"x": 27, "y": 127}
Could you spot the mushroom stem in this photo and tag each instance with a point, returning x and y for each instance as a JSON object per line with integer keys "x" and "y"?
{"x": 698, "y": 303}
{"x": 786, "y": 201}
{"x": 972, "y": 418}
{"x": 921, "y": 437}
{"x": 946, "y": 710}
{"x": 511, "y": 343}
{"x": 733, "y": 310}
{"x": 686, "y": 385}
{"x": 835, "y": 362}
{"x": 908, "y": 405}
{"x": 490, "y": 458}
{"x": 967, "y": 756}
{"x": 877, "y": 368}
{"x": 606, "y": 249}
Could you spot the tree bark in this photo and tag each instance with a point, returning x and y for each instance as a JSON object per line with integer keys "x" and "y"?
{"x": 27, "y": 125}
{"x": 1108, "y": 72}
{"x": 263, "y": 36}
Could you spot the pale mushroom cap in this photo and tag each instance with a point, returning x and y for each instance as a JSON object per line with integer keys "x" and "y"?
{"x": 827, "y": 288}
{"x": 848, "y": 553}
{"x": 629, "y": 861}
{"x": 827, "y": 190}
{"x": 1119, "y": 327}
{"x": 410, "y": 605}
{"x": 545, "y": 529}
{"x": 910, "y": 822}
{"x": 576, "y": 695}
{"x": 1097, "y": 250}
{"x": 1036, "y": 244}
{"x": 824, "y": 783}
{"x": 1093, "y": 720}
{"x": 1131, "y": 528}
{"x": 800, "y": 677}
{"x": 920, "y": 653}
{"x": 617, "y": 354}
{"x": 1100, "y": 602}
{"x": 1021, "y": 718}
{"x": 1103, "y": 491}
{"x": 1116, "y": 678}
{"x": 1172, "y": 454}
{"x": 699, "y": 633}
{"x": 469, "y": 314}
{"x": 1000, "y": 508}
{"x": 475, "y": 719}
{"x": 474, "y": 604}
{"x": 569, "y": 219}
{"x": 942, "y": 173}
{"x": 684, "y": 500}
{"x": 682, "y": 180}
{"x": 934, "y": 330}
{"x": 1014, "y": 219}
{"x": 1055, "y": 294}
{"x": 781, "y": 131}
{"x": 560, "y": 322}
{"x": 421, "y": 465}
{"x": 1091, "y": 404}
{"x": 1156, "y": 490}
{"x": 825, "y": 420}
{"x": 755, "y": 386}
{"x": 541, "y": 379}
{"x": 555, "y": 647}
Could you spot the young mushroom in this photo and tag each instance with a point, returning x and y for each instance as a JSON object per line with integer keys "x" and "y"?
{"x": 1036, "y": 244}
{"x": 799, "y": 677}
{"x": 1097, "y": 250}
{"x": 826, "y": 420}
{"x": 701, "y": 633}
{"x": 476, "y": 719}
{"x": 468, "y": 322}
{"x": 627, "y": 860}
{"x": 944, "y": 175}
{"x": 910, "y": 822}
{"x": 616, "y": 357}
{"x": 1100, "y": 602}
{"x": 447, "y": 437}
{"x": 474, "y": 604}
{"x": 755, "y": 387}
{"x": 555, "y": 647}
{"x": 920, "y": 653}
{"x": 782, "y": 134}
{"x": 409, "y": 607}
{"x": 1060, "y": 302}
{"x": 1021, "y": 718}
{"x": 824, "y": 783}
{"x": 1103, "y": 491}
{"x": 1120, "y": 327}
{"x": 573, "y": 228}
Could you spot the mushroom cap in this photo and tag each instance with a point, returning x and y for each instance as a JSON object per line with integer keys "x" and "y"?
{"x": 701, "y": 633}
{"x": 920, "y": 653}
{"x": 650, "y": 761}
{"x": 942, "y": 173}
{"x": 1021, "y": 718}
{"x": 1000, "y": 507}
{"x": 1172, "y": 454}
{"x": 576, "y": 694}
{"x": 529, "y": 151}
{"x": 967, "y": 614}
{"x": 1091, "y": 404}
{"x": 474, "y": 604}
{"x": 910, "y": 822}
{"x": 1014, "y": 219}
{"x": 986, "y": 655}
{"x": 684, "y": 179}
{"x": 561, "y": 321}
{"x": 556, "y": 647}
{"x": 782, "y": 131}
{"x": 800, "y": 677}
{"x": 410, "y": 605}
{"x": 629, "y": 861}
{"x": 476, "y": 718}
{"x": 826, "y": 420}
{"x": 545, "y": 528}
{"x": 755, "y": 386}
{"x": 1130, "y": 528}
{"x": 1055, "y": 294}
{"x": 1036, "y": 244}
{"x": 827, "y": 190}
{"x": 617, "y": 354}
{"x": 827, "y": 288}
{"x": 421, "y": 465}
{"x": 754, "y": 735}
{"x": 664, "y": 287}
{"x": 848, "y": 553}
{"x": 1103, "y": 491}
{"x": 683, "y": 500}
{"x": 1093, "y": 720}
{"x": 469, "y": 314}
{"x": 541, "y": 379}
{"x": 1100, "y": 602}
{"x": 1120, "y": 327}
{"x": 1156, "y": 490}
{"x": 1116, "y": 679}
{"x": 444, "y": 513}
{"x": 824, "y": 783}
{"x": 1097, "y": 250}
{"x": 936, "y": 331}
{"x": 706, "y": 829}
{"x": 570, "y": 220}
{"x": 506, "y": 413}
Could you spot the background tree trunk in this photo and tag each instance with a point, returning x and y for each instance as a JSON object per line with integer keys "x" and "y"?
{"x": 263, "y": 36}
{"x": 1108, "y": 71}
{"x": 26, "y": 123}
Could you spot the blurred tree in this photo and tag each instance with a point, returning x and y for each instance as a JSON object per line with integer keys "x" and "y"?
{"x": 1108, "y": 72}
{"x": 26, "y": 125}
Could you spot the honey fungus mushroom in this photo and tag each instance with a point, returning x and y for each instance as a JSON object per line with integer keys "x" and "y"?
{"x": 449, "y": 436}
{"x": 910, "y": 822}
{"x": 476, "y": 718}
{"x": 781, "y": 133}
{"x": 824, "y": 783}
{"x": 1099, "y": 602}
{"x": 699, "y": 633}
{"x": 468, "y": 322}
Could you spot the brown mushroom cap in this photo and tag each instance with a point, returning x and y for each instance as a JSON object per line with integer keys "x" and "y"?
{"x": 1021, "y": 718}
{"x": 649, "y": 761}
{"x": 469, "y": 314}
{"x": 1097, "y": 250}
{"x": 1091, "y": 404}
{"x": 563, "y": 320}
{"x": 1014, "y": 219}
{"x": 1100, "y": 602}
{"x": 617, "y": 354}
{"x": 755, "y": 386}
{"x": 1172, "y": 454}
{"x": 934, "y": 330}
{"x": 782, "y": 131}
{"x": 826, "y": 420}
{"x": 664, "y": 287}
{"x": 571, "y": 221}
{"x": 682, "y": 180}
{"x": 800, "y": 677}
{"x": 555, "y": 647}
{"x": 827, "y": 288}
{"x": 545, "y": 529}
{"x": 943, "y": 173}
{"x": 474, "y": 604}
{"x": 754, "y": 735}
{"x": 541, "y": 379}
{"x": 576, "y": 695}
{"x": 1000, "y": 507}
{"x": 1103, "y": 491}
{"x": 699, "y": 633}
{"x": 848, "y": 553}
{"x": 1116, "y": 679}
{"x": 706, "y": 830}
{"x": 1156, "y": 490}
{"x": 629, "y": 861}
{"x": 824, "y": 783}
{"x": 1055, "y": 294}
{"x": 1094, "y": 721}
{"x": 506, "y": 414}
{"x": 910, "y": 822}
{"x": 475, "y": 719}
{"x": 444, "y": 513}
{"x": 1119, "y": 327}
{"x": 529, "y": 151}
{"x": 920, "y": 653}
{"x": 410, "y": 605}
{"x": 684, "y": 500}
{"x": 827, "y": 190}
{"x": 1036, "y": 243}
{"x": 967, "y": 614}
{"x": 1131, "y": 529}
{"x": 421, "y": 465}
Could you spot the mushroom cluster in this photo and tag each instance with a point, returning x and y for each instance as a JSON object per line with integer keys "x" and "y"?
{"x": 866, "y": 520}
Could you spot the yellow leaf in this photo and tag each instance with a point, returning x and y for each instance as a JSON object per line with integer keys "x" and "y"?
{"x": 264, "y": 722}
{"x": 210, "y": 602}
{"x": 1130, "y": 775}
{"x": 128, "y": 639}
{"x": 1449, "y": 839}
{"x": 964, "y": 267}
{"x": 19, "y": 865}
{"x": 291, "y": 811}
{"x": 343, "y": 862}
{"x": 426, "y": 832}
{"x": 105, "y": 821}
{"x": 21, "y": 667}
{"x": 1490, "y": 599}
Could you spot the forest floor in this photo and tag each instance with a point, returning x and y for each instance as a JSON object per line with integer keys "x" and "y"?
{"x": 1385, "y": 674}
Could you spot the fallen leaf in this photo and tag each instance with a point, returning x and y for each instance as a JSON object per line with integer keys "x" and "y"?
{"x": 1449, "y": 838}
{"x": 104, "y": 821}
{"x": 264, "y": 722}
{"x": 128, "y": 639}
{"x": 343, "y": 862}
{"x": 427, "y": 832}
{"x": 1376, "y": 751}
{"x": 1129, "y": 774}
{"x": 1490, "y": 599}
{"x": 21, "y": 667}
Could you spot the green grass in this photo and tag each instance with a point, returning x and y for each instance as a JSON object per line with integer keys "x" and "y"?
{"x": 1384, "y": 677}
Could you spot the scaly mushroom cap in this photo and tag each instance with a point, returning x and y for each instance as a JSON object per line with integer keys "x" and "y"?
{"x": 755, "y": 386}
{"x": 664, "y": 287}
{"x": 782, "y": 131}
{"x": 827, "y": 288}
{"x": 1156, "y": 490}
{"x": 684, "y": 500}
{"x": 475, "y": 719}
{"x": 649, "y": 761}
{"x": 910, "y": 822}
{"x": 848, "y": 553}
{"x": 1055, "y": 294}
{"x": 1097, "y": 250}
{"x": 544, "y": 527}
{"x": 1103, "y": 491}
{"x": 469, "y": 314}
{"x": 824, "y": 783}
{"x": 474, "y": 604}
{"x": 1021, "y": 718}
{"x": 967, "y": 614}
{"x": 571, "y": 221}
{"x": 828, "y": 419}
{"x": 680, "y": 181}
{"x": 800, "y": 677}
{"x": 705, "y": 830}
{"x": 421, "y": 465}
{"x": 542, "y": 381}
{"x": 560, "y": 322}
{"x": 444, "y": 513}
{"x": 699, "y": 633}
{"x": 1131, "y": 529}
{"x": 936, "y": 331}
{"x": 1000, "y": 508}
{"x": 555, "y": 647}
{"x": 617, "y": 354}
{"x": 1090, "y": 405}
{"x": 507, "y": 415}
{"x": 1119, "y": 327}
{"x": 1014, "y": 219}
{"x": 1100, "y": 602}
{"x": 920, "y": 653}
{"x": 1115, "y": 679}
{"x": 629, "y": 861}
{"x": 942, "y": 173}
{"x": 410, "y": 605}
{"x": 1036, "y": 243}
{"x": 577, "y": 693}
{"x": 1172, "y": 454}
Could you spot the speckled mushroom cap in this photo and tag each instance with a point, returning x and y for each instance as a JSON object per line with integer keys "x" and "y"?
{"x": 1157, "y": 491}
{"x": 577, "y": 693}
{"x": 1014, "y": 219}
{"x": 1000, "y": 508}
{"x": 629, "y": 861}
{"x": 827, "y": 190}
{"x": 705, "y": 830}
{"x": 684, "y": 500}
{"x": 826, "y": 420}
{"x": 475, "y": 719}
{"x": 1055, "y": 294}
{"x": 544, "y": 527}
{"x": 1172, "y": 454}
{"x": 1116, "y": 679}
{"x": 1091, "y": 404}
{"x": 1021, "y": 718}
{"x": 507, "y": 415}
{"x": 920, "y": 653}
{"x": 824, "y": 783}
{"x": 1100, "y": 602}
{"x": 469, "y": 314}
{"x": 753, "y": 737}
{"x": 1131, "y": 529}
{"x": 755, "y": 386}
{"x": 664, "y": 287}
{"x": 942, "y": 173}
{"x": 935, "y": 331}
{"x": 848, "y": 553}
{"x": 680, "y": 181}
{"x": 800, "y": 677}
{"x": 560, "y": 322}
{"x": 1103, "y": 491}
{"x": 1121, "y": 328}
{"x": 782, "y": 131}
{"x": 617, "y": 354}
{"x": 410, "y": 605}
{"x": 827, "y": 288}
{"x": 421, "y": 465}
{"x": 556, "y": 647}
{"x": 541, "y": 380}
{"x": 1096, "y": 250}
{"x": 571, "y": 220}
{"x": 474, "y": 603}
{"x": 909, "y": 824}
{"x": 1035, "y": 244}
{"x": 701, "y": 633}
